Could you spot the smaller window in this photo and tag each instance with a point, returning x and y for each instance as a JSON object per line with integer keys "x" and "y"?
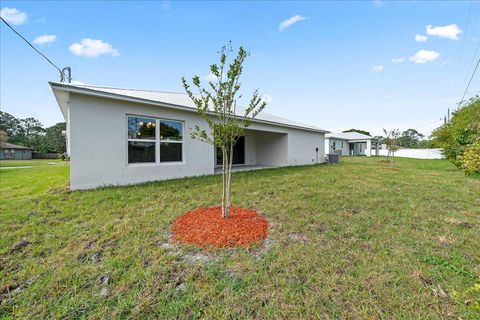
{"x": 139, "y": 151}
{"x": 171, "y": 135}
{"x": 141, "y": 139}
{"x": 333, "y": 146}
{"x": 141, "y": 128}
{"x": 170, "y": 152}
{"x": 170, "y": 130}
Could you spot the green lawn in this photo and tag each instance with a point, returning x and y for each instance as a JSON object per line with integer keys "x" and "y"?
{"x": 28, "y": 163}
{"x": 350, "y": 241}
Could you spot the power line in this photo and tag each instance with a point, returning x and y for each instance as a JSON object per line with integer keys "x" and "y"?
{"x": 426, "y": 124}
{"x": 33, "y": 47}
{"x": 471, "y": 78}
{"x": 460, "y": 53}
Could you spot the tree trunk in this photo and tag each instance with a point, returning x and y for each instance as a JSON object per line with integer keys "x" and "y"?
{"x": 224, "y": 180}
{"x": 229, "y": 179}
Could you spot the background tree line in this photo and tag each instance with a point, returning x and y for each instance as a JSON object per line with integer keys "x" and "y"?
{"x": 30, "y": 132}
{"x": 409, "y": 138}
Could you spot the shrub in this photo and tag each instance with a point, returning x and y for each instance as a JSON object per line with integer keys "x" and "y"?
{"x": 461, "y": 135}
{"x": 470, "y": 160}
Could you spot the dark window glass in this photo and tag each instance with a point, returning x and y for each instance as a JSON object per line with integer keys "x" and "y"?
{"x": 170, "y": 130}
{"x": 139, "y": 151}
{"x": 141, "y": 128}
{"x": 170, "y": 152}
{"x": 238, "y": 152}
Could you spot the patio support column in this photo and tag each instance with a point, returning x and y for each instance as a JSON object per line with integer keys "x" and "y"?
{"x": 369, "y": 148}
{"x": 376, "y": 147}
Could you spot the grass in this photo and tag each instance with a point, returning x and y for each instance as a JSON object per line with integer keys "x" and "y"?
{"x": 349, "y": 241}
{"x": 28, "y": 163}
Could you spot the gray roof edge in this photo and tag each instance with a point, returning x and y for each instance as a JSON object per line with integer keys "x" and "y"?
{"x": 89, "y": 91}
{"x": 7, "y": 145}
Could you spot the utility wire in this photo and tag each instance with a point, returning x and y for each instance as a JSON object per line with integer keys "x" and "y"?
{"x": 33, "y": 47}
{"x": 471, "y": 78}
{"x": 460, "y": 53}
{"x": 426, "y": 124}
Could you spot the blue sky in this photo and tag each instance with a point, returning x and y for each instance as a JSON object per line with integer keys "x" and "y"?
{"x": 330, "y": 65}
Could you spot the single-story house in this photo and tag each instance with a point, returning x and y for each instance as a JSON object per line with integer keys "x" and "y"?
{"x": 351, "y": 144}
{"x": 10, "y": 151}
{"x": 118, "y": 136}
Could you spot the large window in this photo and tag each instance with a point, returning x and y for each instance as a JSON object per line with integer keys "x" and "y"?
{"x": 153, "y": 140}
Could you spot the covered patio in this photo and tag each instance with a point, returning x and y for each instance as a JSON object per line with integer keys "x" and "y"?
{"x": 257, "y": 150}
{"x": 366, "y": 147}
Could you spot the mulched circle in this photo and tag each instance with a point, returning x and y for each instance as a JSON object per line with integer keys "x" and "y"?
{"x": 205, "y": 226}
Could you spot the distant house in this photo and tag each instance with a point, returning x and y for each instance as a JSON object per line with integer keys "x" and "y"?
{"x": 118, "y": 136}
{"x": 9, "y": 151}
{"x": 351, "y": 144}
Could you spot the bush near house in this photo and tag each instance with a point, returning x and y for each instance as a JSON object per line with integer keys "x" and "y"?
{"x": 470, "y": 159}
{"x": 461, "y": 135}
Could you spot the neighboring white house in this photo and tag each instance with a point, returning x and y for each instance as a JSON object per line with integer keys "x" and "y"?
{"x": 351, "y": 144}
{"x": 124, "y": 136}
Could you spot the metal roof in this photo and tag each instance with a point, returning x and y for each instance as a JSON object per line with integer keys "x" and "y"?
{"x": 171, "y": 99}
{"x": 349, "y": 136}
{"x": 6, "y": 145}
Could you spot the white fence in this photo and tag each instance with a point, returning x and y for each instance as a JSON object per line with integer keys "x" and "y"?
{"x": 414, "y": 153}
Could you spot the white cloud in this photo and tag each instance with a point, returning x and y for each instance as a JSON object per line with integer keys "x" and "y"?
{"x": 267, "y": 98}
{"x": 92, "y": 48}
{"x": 377, "y": 68}
{"x": 451, "y": 31}
{"x": 424, "y": 56}
{"x": 398, "y": 60}
{"x": 13, "y": 16}
{"x": 47, "y": 38}
{"x": 290, "y": 21}
{"x": 420, "y": 38}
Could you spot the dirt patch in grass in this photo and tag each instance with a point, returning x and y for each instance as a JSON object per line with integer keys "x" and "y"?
{"x": 205, "y": 226}
{"x": 19, "y": 245}
{"x": 456, "y": 222}
{"x": 392, "y": 169}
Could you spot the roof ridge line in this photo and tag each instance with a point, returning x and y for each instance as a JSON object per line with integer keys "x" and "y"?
{"x": 119, "y": 88}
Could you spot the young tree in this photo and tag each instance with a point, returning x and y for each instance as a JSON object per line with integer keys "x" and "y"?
{"x": 391, "y": 140}
{"x": 216, "y": 104}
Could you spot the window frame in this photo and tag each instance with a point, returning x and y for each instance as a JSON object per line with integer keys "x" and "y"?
{"x": 157, "y": 142}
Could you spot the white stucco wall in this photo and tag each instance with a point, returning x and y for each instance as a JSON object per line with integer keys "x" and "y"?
{"x": 272, "y": 148}
{"x": 98, "y": 144}
{"x": 97, "y": 130}
{"x": 338, "y": 146}
{"x": 302, "y": 147}
{"x": 67, "y": 138}
{"x": 359, "y": 148}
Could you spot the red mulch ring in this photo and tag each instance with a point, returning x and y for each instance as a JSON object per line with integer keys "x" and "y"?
{"x": 205, "y": 226}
